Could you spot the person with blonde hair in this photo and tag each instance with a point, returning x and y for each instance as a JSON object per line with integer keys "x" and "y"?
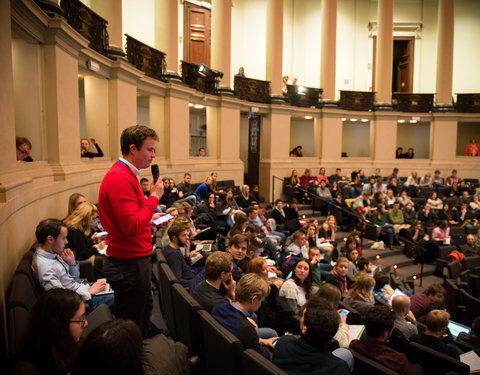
{"x": 326, "y": 232}
{"x": 360, "y": 296}
{"x": 78, "y": 224}
{"x": 251, "y": 291}
{"x": 75, "y": 200}
{"x": 244, "y": 199}
{"x": 437, "y": 322}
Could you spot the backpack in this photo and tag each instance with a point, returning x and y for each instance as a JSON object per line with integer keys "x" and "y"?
{"x": 289, "y": 263}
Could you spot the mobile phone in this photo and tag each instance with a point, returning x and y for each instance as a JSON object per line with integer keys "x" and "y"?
{"x": 275, "y": 342}
{"x": 101, "y": 234}
{"x": 343, "y": 313}
{"x": 155, "y": 172}
{"x": 162, "y": 220}
{"x": 289, "y": 275}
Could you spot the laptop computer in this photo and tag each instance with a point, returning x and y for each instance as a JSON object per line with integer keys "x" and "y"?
{"x": 455, "y": 328}
{"x": 397, "y": 292}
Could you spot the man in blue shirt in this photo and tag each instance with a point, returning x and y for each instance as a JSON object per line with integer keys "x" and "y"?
{"x": 56, "y": 266}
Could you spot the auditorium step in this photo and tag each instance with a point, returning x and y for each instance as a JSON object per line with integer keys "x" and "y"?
{"x": 414, "y": 270}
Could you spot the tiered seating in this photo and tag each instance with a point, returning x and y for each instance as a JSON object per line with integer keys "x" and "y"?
{"x": 220, "y": 352}
{"x": 364, "y": 365}
{"x": 434, "y": 362}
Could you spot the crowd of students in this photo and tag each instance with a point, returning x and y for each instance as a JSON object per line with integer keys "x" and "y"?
{"x": 272, "y": 266}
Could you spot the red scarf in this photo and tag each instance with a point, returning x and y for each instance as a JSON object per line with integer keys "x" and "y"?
{"x": 342, "y": 281}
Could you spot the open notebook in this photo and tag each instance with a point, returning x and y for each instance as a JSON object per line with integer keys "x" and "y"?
{"x": 108, "y": 290}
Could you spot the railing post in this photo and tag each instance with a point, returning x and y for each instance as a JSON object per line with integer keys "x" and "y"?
{"x": 273, "y": 189}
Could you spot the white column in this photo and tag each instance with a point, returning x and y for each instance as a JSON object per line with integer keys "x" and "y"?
{"x": 111, "y": 10}
{"x": 166, "y": 31}
{"x": 384, "y": 53}
{"x": 221, "y": 38}
{"x": 445, "y": 52}
{"x": 274, "y": 45}
{"x": 7, "y": 119}
{"x": 328, "y": 48}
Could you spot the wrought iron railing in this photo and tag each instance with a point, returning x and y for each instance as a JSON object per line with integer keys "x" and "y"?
{"x": 145, "y": 58}
{"x": 88, "y": 23}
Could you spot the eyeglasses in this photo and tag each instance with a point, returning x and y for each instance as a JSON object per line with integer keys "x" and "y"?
{"x": 22, "y": 151}
{"x": 82, "y": 322}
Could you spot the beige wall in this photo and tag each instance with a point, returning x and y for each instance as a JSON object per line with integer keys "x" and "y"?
{"x": 28, "y": 86}
{"x": 356, "y": 139}
{"x": 139, "y": 19}
{"x": 415, "y": 136}
{"x": 302, "y": 133}
{"x": 466, "y": 78}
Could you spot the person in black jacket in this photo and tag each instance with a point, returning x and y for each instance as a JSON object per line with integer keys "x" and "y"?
{"x": 85, "y": 144}
{"x": 79, "y": 234}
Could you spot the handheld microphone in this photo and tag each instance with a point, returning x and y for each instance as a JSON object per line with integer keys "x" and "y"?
{"x": 155, "y": 172}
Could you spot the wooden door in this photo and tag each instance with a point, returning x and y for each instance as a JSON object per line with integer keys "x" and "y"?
{"x": 403, "y": 65}
{"x": 251, "y": 178}
{"x": 196, "y": 31}
{"x": 403, "y": 53}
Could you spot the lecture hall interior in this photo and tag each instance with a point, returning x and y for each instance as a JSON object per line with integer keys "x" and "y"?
{"x": 371, "y": 76}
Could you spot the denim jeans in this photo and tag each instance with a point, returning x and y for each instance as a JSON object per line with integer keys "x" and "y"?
{"x": 107, "y": 299}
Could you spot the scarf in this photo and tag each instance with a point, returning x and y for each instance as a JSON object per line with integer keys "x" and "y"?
{"x": 342, "y": 281}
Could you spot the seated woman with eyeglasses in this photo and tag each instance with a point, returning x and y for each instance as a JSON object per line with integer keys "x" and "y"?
{"x": 24, "y": 146}
{"x": 56, "y": 324}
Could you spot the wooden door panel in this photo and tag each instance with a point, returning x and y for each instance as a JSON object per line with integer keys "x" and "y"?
{"x": 197, "y": 34}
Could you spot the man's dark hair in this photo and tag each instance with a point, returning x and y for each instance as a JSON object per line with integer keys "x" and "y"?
{"x": 135, "y": 135}
{"x": 143, "y": 179}
{"x": 48, "y": 227}
{"x": 218, "y": 262}
{"x": 251, "y": 209}
{"x": 238, "y": 239}
{"x": 175, "y": 230}
{"x": 252, "y": 228}
{"x": 381, "y": 279}
{"x": 114, "y": 347}
{"x": 23, "y": 141}
{"x": 186, "y": 174}
{"x": 379, "y": 320}
{"x": 321, "y": 321}
{"x": 363, "y": 263}
{"x": 277, "y": 201}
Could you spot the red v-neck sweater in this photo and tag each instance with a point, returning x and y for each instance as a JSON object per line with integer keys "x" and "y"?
{"x": 125, "y": 214}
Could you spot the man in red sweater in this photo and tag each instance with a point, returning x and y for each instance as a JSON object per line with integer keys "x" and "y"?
{"x": 127, "y": 217}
